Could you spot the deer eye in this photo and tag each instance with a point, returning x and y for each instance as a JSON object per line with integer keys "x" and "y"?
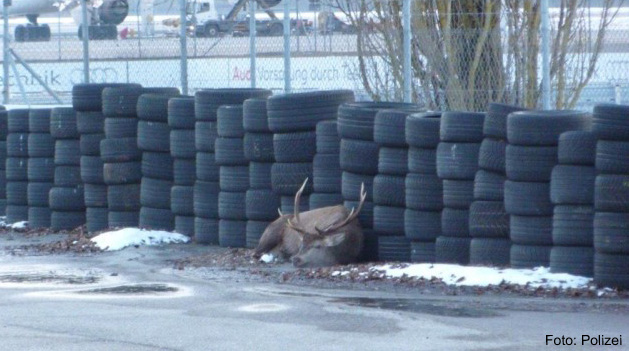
{"x": 317, "y": 245}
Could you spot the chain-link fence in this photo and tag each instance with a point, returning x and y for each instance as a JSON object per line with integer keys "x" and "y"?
{"x": 453, "y": 55}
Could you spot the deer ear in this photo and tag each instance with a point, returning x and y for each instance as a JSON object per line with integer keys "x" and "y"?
{"x": 334, "y": 239}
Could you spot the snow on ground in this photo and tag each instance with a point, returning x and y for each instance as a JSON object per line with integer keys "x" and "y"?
{"x": 484, "y": 276}
{"x": 119, "y": 239}
{"x": 16, "y": 225}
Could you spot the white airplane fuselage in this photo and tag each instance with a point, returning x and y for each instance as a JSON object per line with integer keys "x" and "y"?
{"x": 32, "y": 7}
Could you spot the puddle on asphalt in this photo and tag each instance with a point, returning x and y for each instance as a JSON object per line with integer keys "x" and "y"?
{"x": 133, "y": 289}
{"x": 416, "y": 306}
{"x": 35, "y": 278}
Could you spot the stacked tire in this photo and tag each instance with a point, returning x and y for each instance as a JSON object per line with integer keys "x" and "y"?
{"x": 572, "y": 194}
{"x": 489, "y": 221}
{"x": 3, "y": 160}
{"x": 206, "y": 188}
{"x": 67, "y": 195}
{"x": 389, "y": 189}
{"x": 261, "y": 203}
{"x": 423, "y": 188}
{"x": 461, "y": 134}
{"x": 531, "y": 155}
{"x": 326, "y": 167}
{"x": 182, "y": 149}
{"x": 17, "y": 165}
{"x": 359, "y": 164}
{"x": 41, "y": 169}
{"x": 611, "y": 198}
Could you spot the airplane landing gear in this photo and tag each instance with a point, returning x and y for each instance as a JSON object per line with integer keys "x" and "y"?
{"x": 101, "y": 32}
{"x": 32, "y": 31}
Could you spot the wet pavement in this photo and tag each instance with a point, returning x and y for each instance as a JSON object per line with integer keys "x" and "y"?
{"x": 135, "y": 300}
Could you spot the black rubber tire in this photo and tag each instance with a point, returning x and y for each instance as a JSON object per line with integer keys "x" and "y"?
{"x": 182, "y": 143}
{"x": 66, "y": 152}
{"x": 232, "y": 233}
{"x": 612, "y": 157}
{"x": 573, "y": 185}
{"x": 120, "y": 150}
{"x": 92, "y": 170}
{"x": 389, "y": 128}
{"x": 181, "y": 113}
{"x": 495, "y": 125}
{"x": 351, "y": 184}
{"x": 37, "y": 194}
{"x": 123, "y": 219}
{"x": 17, "y": 193}
{"x": 393, "y": 161}
{"x": 41, "y": 169}
{"x": 155, "y": 193}
{"x": 422, "y": 225}
{"x": 455, "y": 223}
{"x": 124, "y": 197}
{"x": 4, "y": 128}
{"x": 154, "y": 107}
{"x": 184, "y": 225}
{"x": 577, "y": 148}
{"x": 158, "y": 165}
{"x": 328, "y": 140}
{"x": 287, "y": 178}
{"x": 356, "y": 120}
{"x": 489, "y": 219}
{"x": 184, "y": 171}
{"x": 359, "y": 156}
{"x": 259, "y": 147}
{"x": 229, "y": 121}
{"x": 389, "y": 190}
{"x": 121, "y": 128}
{"x": 96, "y": 219}
{"x": 573, "y": 225}
{"x": 17, "y": 145}
{"x": 457, "y": 160}
{"x": 326, "y": 170}
{"x": 572, "y": 260}
{"x": 205, "y": 135}
{"x": 39, "y": 217}
{"x": 90, "y": 144}
{"x": 63, "y": 123}
{"x": 287, "y": 204}
{"x": 206, "y": 231}
{"x": 67, "y": 199}
{"x": 206, "y": 199}
{"x": 489, "y": 186}
{"x": 320, "y": 200}
{"x": 17, "y": 121}
{"x": 423, "y": 251}
{"x": 207, "y": 101}
{"x": 90, "y": 122}
{"x": 295, "y": 120}
{"x": 531, "y": 230}
{"x": 16, "y": 213}
{"x": 95, "y": 195}
{"x": 388, "y": 220}
{"x": 611, "y": 193}
{"x": 610, "y": 122}
{"x": 394, "y": 248}
{"x": 452, "y": 250}
{"x": 122, "y": 173}
{"x": 254, "y": 232}
{"x": 40, "y": 145}
{"x": 490, "y": 252}
{"x": 294, "y": 147}
{"x": 530, "y": 163}
{"x": 39, "y": 120}
{"x": 67, "y": 176}
{"x": 458, "y": 193}
{"x": 492, "y": 155}
{"x": 3, "y": 151}
{"x": 157, "y": 219}
{"x": 182, "y": 200}
{"x": 528, "y": 256}
{"x": 121, "y": 101}
{"x": 88, "y": 97}
{"x": 206, "y": 167}
{"x": 422, "y": 161}
{"x": 255, "y": 119}
{"x": 262, "y": 205}
{"x": 230, "y": 152}
{"x": 527, "y": 198}
{"x": 369, "y": 252}
{"x": 234, "y": 178}
{"x": 461, "y": 127}
{"x": 365, "y": 217}
{"x": 309, "y": 100}
{"x": 153, "y": 136}
{"x": 260, "y": 175}
{"x": 611, "y": 270}
{"x": 543, "y": 128}
{"x": 62, "y": 220}
{"x": 610, "y": 232}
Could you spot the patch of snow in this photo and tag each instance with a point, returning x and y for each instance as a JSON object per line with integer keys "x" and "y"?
{"x": 18, "y": 225}
{"x": 484, "y": 276}
{"x": 119, "y": 239}
{"x": 267, "y": 258}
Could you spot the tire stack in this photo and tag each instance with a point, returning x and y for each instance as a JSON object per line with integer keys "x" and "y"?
{"x": 206, "y": 188}
{"x": 572, "y": 194}
{"x": 3, "y": 160}
{"x": 326, "y": 167}
{"x": 611, "y": 199}
{"x": 293, "y": 119}
{"x": 359, "y": 163}
{"x": 41, "y": 168}
{"x": 424, "y": 189}
{"x": 181, "y": 122}
{"x": 531, "y": 155}
{"x": 389, "y": 189}
{"x": 461, "y": 134}
{"x": 17, "y": 165}
{"x": 489, "y": 221}
{"x": 261, "y": 202}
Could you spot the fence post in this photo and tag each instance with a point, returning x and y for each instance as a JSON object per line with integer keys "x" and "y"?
{"x": 183, "y": 40}
{"x": 252, "y": 42}
{"x": 545, "y": 55}
{"x": 406, "y": 26}
{"x": 287, "y": 71}
{"x": 5, "y": 57}
{"x": 85, "y": 32}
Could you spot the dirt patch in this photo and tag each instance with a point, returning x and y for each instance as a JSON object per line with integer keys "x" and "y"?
{"x": 76, "y": 241}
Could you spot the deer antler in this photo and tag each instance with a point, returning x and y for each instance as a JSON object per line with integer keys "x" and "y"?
{"x": 296, "y": 225}
{"x": 352, "y": 214}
